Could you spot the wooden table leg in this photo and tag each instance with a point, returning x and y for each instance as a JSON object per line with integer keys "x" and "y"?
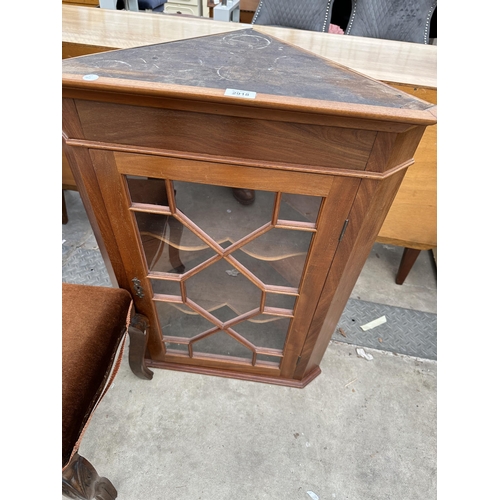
{"x": 407, "y": 260}
{"x": 64, "y": 210}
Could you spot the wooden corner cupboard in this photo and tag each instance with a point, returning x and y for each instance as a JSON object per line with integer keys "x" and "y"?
{"x": 158, "y": 137}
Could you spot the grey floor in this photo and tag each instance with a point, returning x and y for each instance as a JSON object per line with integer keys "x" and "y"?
{"x": 364, "y": 429}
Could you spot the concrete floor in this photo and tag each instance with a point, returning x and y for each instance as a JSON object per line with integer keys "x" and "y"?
{"x": 362, "y": 430}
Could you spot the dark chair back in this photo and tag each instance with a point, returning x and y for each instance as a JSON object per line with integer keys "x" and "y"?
{"x": 402, "y": 20}
{"x": 311, "y": 15}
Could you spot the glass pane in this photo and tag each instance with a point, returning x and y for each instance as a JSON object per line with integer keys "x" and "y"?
{"x": 178, "y": 320}
{"x": 283, "y": 251}
{"x": 264, "y": 358}
{"x": 298, "y": 207}
{"x": 173, "y": 348}
{"x": 166, "y": 287}
{"x": 281, "y": 301}
{"x": 170, "y": 247}
{"x": 147, "y": 190}
{"x": 262, "y": 269}
{"x": 222, "y": 290}
{"x": 264, "y": 331}
{"x": 219, "y": 214}
{"x": 222, "y": 344}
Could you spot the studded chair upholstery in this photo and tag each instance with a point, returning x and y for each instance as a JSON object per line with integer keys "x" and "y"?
{"x": 402, "y": 20}
{"x": 312, "y": 15}
{"x": 94, "y": 323}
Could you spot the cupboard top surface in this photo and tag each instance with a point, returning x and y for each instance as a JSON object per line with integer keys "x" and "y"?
{"x": 246, "y": 60}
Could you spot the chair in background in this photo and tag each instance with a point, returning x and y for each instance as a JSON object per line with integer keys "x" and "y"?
{"x": 402, "y": 20}
{"x": 135, "y": 5}
{"x": 311, "y": 15}
{"x": 95, "y": 321}
{"x": 152, "y": 5}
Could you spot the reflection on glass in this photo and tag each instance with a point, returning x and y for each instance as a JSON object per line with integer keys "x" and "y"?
{"x": 260, "y": 268}
{"x": 166, "y": 287}
{"x": 279, "y": 255}
{"x": 169, "y": 247}
{"x": 147, "y": 190}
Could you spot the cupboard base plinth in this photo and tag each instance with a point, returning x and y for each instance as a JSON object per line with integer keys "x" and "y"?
{"x": 297, "y": 384}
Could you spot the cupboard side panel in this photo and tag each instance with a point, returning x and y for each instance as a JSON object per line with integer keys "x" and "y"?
{"x": 412, "y": 219}
{"x": 330, "y": 222}
{"x": 370, "y": 208}
{"x": 372, "y": 203}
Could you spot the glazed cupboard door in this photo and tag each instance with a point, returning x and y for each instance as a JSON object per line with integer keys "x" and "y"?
{"x": 226, "y": 287}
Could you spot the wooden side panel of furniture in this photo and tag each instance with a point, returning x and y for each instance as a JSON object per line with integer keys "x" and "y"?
{"x": 370, "y": 207}
{"x": 412, "y": 219}
{"x": 346, "y": 268}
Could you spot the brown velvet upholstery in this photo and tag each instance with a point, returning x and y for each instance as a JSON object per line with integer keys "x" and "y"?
{"x": 94, "y": 320}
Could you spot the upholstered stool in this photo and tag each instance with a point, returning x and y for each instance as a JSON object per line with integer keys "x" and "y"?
{"x": 94, "y": 323}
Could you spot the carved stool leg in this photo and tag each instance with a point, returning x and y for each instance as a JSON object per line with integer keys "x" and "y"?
{"x": 409, "y": 257}
{"x": 80, "y": 481}
{"x": 138, "y": 331}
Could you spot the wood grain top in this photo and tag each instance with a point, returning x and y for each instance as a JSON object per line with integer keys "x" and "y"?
{"x": 385, "y": 60}
{"x": 247, "y": 60}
